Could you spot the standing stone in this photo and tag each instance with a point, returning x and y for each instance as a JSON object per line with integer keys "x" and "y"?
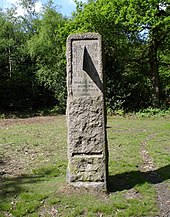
{"x": 87, "y": 145}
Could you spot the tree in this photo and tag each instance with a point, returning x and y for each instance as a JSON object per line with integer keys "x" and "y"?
{"x": 129, "y": 27}
{"x": 11, "y": 46}
{"x": 164, "y": 70}
{"x": 126, "y": 83}
{"x": 17, "y": 85}
{"x": 46, "y": 48}
{"x": 136, "y": 51}
{"x": 152, "y": 17}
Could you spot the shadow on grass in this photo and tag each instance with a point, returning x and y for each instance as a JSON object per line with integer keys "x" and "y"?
{"x": 128, "y": 180}
{"x": 12, "y": 186}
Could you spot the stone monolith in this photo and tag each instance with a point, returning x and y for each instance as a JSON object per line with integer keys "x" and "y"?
{"x": 86, "y": 120}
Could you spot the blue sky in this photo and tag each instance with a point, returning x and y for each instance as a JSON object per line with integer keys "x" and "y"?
{"x": 66, "y": 7}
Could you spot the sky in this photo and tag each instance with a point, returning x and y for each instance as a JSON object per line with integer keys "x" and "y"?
{"x": 66, "y": 7}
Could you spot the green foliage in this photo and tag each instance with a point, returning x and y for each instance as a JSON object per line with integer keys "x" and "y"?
{"x": 153, "y": 112}
{"x": 135, "y": 46}
{"x": 18, "y": 86}
{"x": 46, "y": 48}
{"x": 128, "y": 78}
{"x": 151, "y": 17}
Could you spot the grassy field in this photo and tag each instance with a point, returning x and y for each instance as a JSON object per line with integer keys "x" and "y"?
{"x": 33, "y": 161}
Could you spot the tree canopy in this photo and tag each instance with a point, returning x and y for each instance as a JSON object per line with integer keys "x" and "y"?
{"x": 136, "y": 39}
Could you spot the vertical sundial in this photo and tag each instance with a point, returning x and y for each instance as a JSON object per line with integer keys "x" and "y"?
{"x": 87, "y": 145}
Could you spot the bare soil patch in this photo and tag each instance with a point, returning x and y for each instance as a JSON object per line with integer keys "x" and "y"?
{"x": 33, "y": 120}
{"x": 163, "y": 193}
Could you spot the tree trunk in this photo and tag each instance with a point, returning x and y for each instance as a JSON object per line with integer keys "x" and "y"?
{"x": 153, "y": 62}
{"x": 10, "y": 62}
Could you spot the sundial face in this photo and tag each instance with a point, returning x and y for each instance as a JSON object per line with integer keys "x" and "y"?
{"x": 86, "y": 79}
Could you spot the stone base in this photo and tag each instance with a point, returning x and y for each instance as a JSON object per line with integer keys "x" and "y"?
{"x": 98, "y": 186}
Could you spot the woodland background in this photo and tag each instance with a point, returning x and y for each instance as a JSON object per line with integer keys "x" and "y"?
{"x": 136, "y": 47}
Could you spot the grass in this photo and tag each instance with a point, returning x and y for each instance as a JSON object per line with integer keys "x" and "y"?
{"x": 34, "y": 156}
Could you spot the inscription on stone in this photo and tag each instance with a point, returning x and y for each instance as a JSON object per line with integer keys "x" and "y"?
{"x": 85, "y": 63}
{"x": 87, "y": 146}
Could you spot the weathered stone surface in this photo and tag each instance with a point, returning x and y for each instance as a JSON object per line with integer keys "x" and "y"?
{"x": 87, "y": 146}
{"x": 87, "y": 169}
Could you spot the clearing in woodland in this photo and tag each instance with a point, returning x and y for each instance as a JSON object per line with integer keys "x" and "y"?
{"x": 33, "y": 161}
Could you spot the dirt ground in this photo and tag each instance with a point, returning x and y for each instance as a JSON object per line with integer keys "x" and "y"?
{"x": 163, "y": 193}
{"x": 13, "y": 121}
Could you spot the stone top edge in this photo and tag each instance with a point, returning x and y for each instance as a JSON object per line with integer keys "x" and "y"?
{"x": 83, "y": 36}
